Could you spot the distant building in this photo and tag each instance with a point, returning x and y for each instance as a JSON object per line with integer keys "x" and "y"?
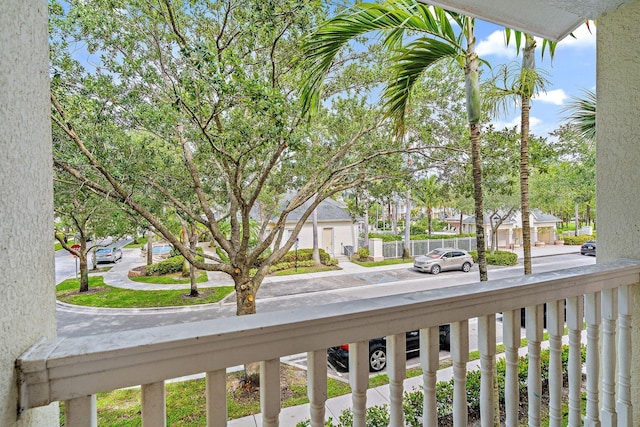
{"x": 336, "y": 227}
{"x": 543, "y": 228}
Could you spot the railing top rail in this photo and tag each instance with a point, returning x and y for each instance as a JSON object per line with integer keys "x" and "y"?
{"x": 63, "y": 368}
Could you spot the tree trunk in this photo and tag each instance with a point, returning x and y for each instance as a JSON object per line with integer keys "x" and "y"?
{"x": 316, "y": 251}
{"x": 193, "y": 278}
{"x": 477, "y": 195}
{"x": 407, "y": 228}
{"x": 429, "y": 219}
{"x": 474, "y": 113}
{"x": 528, "y": 65}
{"x": 84, "y": 269}
{"x": 149, "y": 247}
{"x": 460, "y": 227}
{"x": 366, "y": 229}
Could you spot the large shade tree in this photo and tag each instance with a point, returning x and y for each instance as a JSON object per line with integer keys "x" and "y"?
{"x": 417, "y": 36}
{"x": 190, "y": 108}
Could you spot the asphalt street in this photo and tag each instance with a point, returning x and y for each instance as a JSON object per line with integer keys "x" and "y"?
{"x": 293, "y": 292}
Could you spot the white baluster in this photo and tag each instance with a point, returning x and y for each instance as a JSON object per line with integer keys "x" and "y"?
{"x": 396, "y": 370}
{"x": 624, "y": 404}
{"x": 487, "y": 347}
{"x": 429, "y": 361}
{"x": 592, "y": 306}
{"x": 555, "y": 327}
{"x": 460, "y": 357}
{"x": 216, "y": 394}
{"x": 317, "y": 385}
{"x": 534, "y": 318}
{"x": 153, "y": 405}
{"x": 81, "y": 412}
{"x": 574, "y": 323}
{"x": 359, "y": 380}
{"x": 270, "y": 392}
{"x": 608, "y": 414}
{"x": 511, "y": 337}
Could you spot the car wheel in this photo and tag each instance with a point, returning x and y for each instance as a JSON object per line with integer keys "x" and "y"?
{"x": 435, "y": 269}
{"x": 466, "y": 267}
{"x": 377, "y": 358}
{"x": 445, "y": 337}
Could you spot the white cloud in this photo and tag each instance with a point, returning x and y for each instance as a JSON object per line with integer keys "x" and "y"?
{"x": 583, "y": 38}
{"x": 495, "y": 45}
{"x": 556, "y": 97}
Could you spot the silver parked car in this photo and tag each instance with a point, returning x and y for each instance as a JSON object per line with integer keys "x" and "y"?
{"x": 108, "y": 254}
{"x": 442, "y": 259}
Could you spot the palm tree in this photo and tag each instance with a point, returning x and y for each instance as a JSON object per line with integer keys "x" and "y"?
{"x": 521, "y": 85}
{"x": 410, "y": 58}
{"x": 582, "y": 114}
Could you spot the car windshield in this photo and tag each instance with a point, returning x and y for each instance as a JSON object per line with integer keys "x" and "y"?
{"x": 435, "y": 254}
{"x": 103, "y": 251}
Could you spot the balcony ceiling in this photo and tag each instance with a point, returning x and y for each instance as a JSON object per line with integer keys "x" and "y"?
{"x": 551, "y": 19}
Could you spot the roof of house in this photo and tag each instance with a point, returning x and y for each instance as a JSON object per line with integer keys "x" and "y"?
{"x": 329, "y": 210}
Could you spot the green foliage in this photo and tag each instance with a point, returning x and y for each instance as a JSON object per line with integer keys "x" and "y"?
{"x": 169, "y": 265}
{"x": 578, "y": 240}
{"x": 301, "y": 255}
{"x": 363, "y": 254}
{"x": 498, "y": 257}
{"x": 413, "y": 401}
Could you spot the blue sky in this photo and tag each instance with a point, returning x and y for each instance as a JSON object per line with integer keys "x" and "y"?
{"x": 572, "y": 70}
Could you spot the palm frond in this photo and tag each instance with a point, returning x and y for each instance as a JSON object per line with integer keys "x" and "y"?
{"x": 406, "y": 70}
{"x": 392, "y": 18}
{"x": 581, "y": 113}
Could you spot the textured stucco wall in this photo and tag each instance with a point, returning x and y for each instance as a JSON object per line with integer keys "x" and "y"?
{"x": 618, "y": 152}
{"x": 27, "y": 308}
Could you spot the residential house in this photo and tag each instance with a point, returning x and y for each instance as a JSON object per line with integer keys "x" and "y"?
{"x": 37, "y": 370}
{"x": 336, "y": 227}
{"x": 543, "y": 228}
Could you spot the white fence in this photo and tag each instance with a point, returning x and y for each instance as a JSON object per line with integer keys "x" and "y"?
{"x": 421, "y": 247}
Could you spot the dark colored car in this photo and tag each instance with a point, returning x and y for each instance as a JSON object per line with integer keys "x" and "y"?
{"x": 339, "y": 356}
{"x": 589, "y": 248}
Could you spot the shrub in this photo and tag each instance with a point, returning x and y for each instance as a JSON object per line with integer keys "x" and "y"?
{"x": 412, "y": 401}
{"x": 303, "y": 255}
{"x": 577, "y": 240}
{"x": 169, "y": 265}
{"x": 498, "y": 258}
{"x": 363, "y": 254}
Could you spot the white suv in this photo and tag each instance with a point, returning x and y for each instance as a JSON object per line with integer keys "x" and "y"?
{"x": 442, "y": 259}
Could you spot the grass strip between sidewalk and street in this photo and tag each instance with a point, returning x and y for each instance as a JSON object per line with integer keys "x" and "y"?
{"x": 102, "y": 295}
{"x": 389, "y": 261}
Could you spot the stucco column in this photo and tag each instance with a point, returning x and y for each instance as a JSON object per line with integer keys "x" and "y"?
{"x": 618, "y": 153}
{"x": 27, "y": 312}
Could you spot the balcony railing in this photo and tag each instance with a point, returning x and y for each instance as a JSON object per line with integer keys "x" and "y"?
{"x": 75, "y": 369}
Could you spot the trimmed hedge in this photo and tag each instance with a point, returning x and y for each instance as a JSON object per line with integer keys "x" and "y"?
{"x": 578, "y": 240}
{"x": 497, "y": 258}
{"x": 169, "y": 265}
{"x": 303, "y": 255}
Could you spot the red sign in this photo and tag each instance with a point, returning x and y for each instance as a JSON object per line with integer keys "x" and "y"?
{"x": 76, "y": 247}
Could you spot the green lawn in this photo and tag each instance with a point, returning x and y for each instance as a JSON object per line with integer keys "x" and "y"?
{"x": 102, "y": 295}
{"x": 303, "y": 270}
{"x": 390, "y": 261}
{"x": 169, "y": 279}
{"x": 141, "y": 242}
